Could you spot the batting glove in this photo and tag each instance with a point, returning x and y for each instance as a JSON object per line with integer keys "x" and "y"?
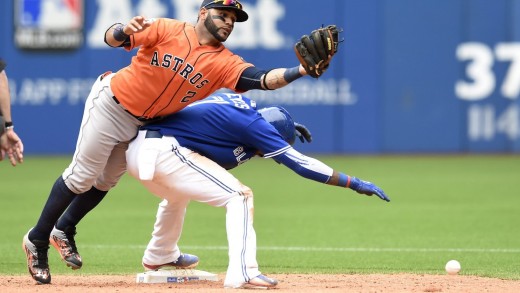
{"x": 302, "y": 132}
{"x": 367, "y": 188}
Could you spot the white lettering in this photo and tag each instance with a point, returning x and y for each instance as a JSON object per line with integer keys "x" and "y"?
{"x": 108, "y": 13}
{"x": 479, "y": 70}
{"x": 309, "y": 92}
{"x": 152, "y": 9}
{"x": 510, "y": 52}
{"x": 260, "y": 31}
{"x": 480, "y": 123}
{"x": 485, "y": 123}
{"x": 53, "y": 91}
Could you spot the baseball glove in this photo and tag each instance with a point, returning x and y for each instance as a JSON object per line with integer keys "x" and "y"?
{"x": 316, "y": 50}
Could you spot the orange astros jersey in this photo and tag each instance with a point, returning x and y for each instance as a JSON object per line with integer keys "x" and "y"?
{"x": 171, "y": 70}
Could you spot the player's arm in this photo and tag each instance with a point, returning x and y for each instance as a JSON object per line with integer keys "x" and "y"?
{"x": 259, "y": 79}
{"x": 316, "y": 170}
{"x": 118, "y": 34}
{"x": 5, "y": 98}
{"x": 10, "y": 143}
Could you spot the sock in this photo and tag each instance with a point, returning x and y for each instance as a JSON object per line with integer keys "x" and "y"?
{"x": 58, "y": 201}
{"x": 80, "y": 206}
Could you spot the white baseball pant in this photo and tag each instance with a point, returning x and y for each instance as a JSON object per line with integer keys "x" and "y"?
{"x": 106, "y": 129}
{"x": 181, "y": 175}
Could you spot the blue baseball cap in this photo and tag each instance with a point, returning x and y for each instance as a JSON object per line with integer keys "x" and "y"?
{"x": 227, "y": 4}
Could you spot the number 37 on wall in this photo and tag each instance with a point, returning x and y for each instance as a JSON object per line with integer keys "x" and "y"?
{"x": 481, "y": 79}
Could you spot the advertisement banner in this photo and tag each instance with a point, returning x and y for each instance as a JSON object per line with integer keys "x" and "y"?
{"x": 410, "y": 76}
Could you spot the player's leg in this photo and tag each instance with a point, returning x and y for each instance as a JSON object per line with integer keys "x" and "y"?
{"x": 163, "y": 251}
{"x": 63, "y": 235}
{"x": 97, "y": 137}
{"x": 200, "y": 179}
{"x": 101, "y": 144}
{"x": 36, "y": 241}
{"x": 207, "y": 182}
{"x": 243, "y": 269}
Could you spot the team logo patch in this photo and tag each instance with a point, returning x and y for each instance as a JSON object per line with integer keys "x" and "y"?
{"x": 48, "y": 24}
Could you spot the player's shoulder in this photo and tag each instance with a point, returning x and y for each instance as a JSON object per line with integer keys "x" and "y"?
{"x": 171, "y": 23}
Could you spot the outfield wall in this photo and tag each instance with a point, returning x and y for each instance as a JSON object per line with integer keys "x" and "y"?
{"x": 411, "y": 76}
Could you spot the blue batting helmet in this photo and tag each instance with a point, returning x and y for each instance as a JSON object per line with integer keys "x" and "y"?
{"x": 281, "y": 120}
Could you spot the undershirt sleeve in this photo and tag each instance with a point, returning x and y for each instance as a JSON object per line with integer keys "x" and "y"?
{"x": 250, "y": 79}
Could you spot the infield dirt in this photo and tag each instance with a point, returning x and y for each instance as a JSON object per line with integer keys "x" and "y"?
{"x": 288, "y": 283}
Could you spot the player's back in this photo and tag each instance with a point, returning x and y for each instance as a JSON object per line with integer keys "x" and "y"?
{"x": 216, "y": 127}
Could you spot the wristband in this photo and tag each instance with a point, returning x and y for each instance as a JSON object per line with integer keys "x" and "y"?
{"x": 292, "y": 74}
{"x": 119, "y": 35}
{"x": 344, "y": 180}
{"x": 9, "y": 125}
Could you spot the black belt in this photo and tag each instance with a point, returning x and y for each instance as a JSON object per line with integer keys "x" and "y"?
{"x": 153, "y": 134}
{"x": 140, "y": 118}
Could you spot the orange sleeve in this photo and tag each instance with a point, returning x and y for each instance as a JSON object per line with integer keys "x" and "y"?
{"x": 151, "y": 36}
{"x": 236, "y": 66}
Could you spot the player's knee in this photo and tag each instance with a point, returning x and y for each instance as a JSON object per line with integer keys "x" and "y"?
{"x": 246, "y": 191}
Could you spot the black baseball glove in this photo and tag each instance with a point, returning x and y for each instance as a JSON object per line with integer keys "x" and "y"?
{"x": 316, "y": 50}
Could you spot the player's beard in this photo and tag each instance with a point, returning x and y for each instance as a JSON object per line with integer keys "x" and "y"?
{"x": 213, "y": 29}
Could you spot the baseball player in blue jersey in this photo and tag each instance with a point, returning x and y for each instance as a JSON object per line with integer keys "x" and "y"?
{"x": 185, "y": 156}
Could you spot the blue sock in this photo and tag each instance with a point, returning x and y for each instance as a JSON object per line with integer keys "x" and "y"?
{"x": 80, "y": 206}
{"x": 56, "y": 204}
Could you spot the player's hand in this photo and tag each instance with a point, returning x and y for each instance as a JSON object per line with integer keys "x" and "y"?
{"x": 137, "y": 24}
{"x": 12, "y": 146}
{"x": 302, "y": 132}
{"x": 367, "y": 188}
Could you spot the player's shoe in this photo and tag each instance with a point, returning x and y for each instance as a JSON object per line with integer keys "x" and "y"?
{"x": 185, "y": 261}
{"x": 65, "y": 244}
{"x": 258, "y": 282}
{"x": 37, "y": 260}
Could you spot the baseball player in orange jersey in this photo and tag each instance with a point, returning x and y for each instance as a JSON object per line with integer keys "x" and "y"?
{"x": 177, "y": 63}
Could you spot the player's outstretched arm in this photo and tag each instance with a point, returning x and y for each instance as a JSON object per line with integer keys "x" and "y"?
{"x": 118, "y": 33}
{"x": 358, "y": 185}
{"x": 316, "y": 170}
{"x": 280, "y": 77}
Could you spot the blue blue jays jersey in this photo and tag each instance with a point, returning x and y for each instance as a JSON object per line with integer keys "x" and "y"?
{"x": 224, "y": 127}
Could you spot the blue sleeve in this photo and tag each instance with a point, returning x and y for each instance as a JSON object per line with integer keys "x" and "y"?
{"x": 305, "y": 166}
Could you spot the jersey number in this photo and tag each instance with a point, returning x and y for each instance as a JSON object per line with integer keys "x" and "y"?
{"x": 188, "y": 96}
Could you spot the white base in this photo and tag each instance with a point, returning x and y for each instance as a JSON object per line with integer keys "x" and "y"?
{"x": 174, "y": 276}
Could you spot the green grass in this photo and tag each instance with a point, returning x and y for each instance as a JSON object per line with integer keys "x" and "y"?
{"x": 443, "y": 207}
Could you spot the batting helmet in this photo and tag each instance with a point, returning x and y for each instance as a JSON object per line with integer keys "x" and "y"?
{"x": 281, "y": 120}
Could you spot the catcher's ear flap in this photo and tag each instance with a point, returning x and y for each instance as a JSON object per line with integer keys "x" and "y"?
{"x": 320, "y": 41}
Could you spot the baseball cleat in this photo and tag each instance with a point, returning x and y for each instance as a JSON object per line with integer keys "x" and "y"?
{"x": 258, "y": 282}
{"x": 185, "y": 261}
{"x": 65, "y": 244}
{"x": 37, "y": 260}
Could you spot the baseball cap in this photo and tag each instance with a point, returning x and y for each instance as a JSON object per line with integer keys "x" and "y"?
{"x": 226, "y": 4}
